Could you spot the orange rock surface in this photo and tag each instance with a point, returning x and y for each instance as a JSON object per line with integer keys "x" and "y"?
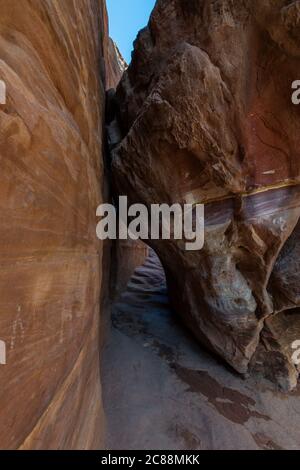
{"x": 206, "y": 115}
{"x": 51, "y": 148}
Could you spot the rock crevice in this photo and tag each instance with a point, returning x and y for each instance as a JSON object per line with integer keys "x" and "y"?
{"x": 206, "y": 104}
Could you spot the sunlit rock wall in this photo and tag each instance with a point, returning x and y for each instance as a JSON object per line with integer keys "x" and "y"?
{"x": 51, "y": 145}
{"x": 206, "y": 116}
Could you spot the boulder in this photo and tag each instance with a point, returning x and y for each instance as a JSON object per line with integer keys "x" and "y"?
{"x": 206, "y": 116}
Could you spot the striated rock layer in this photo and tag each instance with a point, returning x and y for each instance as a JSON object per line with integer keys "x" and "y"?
{"x": 124, "y": 255}
{"x": 50, "y": 185}
{"x": 115, "y": 64}
{"x": 206, "y": 115}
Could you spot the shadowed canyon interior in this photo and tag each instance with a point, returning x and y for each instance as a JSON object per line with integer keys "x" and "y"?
{"x": 202, "y": 114}
{"x": 206, "y": 105}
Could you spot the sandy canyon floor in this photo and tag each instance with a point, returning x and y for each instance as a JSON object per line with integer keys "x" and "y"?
{"x": 162, "y": 391}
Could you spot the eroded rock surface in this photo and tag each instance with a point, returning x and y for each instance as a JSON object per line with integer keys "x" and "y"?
{"x": 124, "y": 255}
{"x": 206, "y": 115}
{"x": 161, "y": 379}
{"x": 51, "y": 145}
{"x": 115, "y": 65}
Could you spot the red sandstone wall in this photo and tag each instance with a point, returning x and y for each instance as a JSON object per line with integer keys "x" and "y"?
{"x": 50, "y": 185}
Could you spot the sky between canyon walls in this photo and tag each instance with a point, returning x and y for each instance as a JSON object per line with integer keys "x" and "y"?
{"x": 126, "y": 18}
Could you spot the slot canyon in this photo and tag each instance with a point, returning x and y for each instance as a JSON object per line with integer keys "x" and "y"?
{"x": 119, "y": 344}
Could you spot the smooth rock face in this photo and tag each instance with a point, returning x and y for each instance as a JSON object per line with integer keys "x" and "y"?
{"x": 127, "y": 256}
{"x": 206, "y": 114}
{"x": 124, "y": 255}
{"x": 50, "y": 185}
{"x": 115, "y": 65}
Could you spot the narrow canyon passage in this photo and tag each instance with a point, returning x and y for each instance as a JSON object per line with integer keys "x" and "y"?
{"x": 204, "y": 114}
{"x": 162, "y": 391}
